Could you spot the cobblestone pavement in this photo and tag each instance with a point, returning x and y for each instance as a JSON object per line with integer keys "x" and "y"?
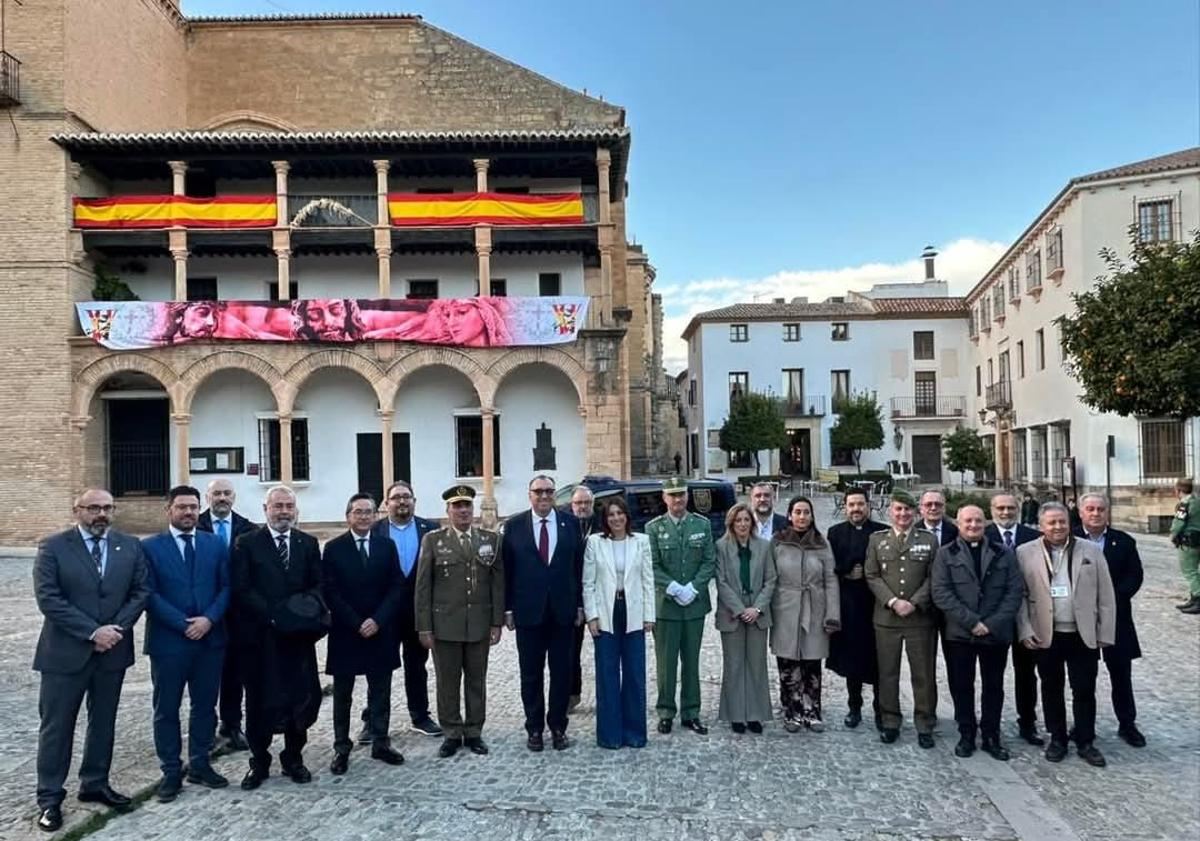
{"x": 841, "y": 784}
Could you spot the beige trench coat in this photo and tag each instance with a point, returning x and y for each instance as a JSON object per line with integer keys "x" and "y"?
{"x": 806, "y": 597}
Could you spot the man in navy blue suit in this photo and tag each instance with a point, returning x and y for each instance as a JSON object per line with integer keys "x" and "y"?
{"x": 1008, "y": 532}
{"x": 185, "y": 638}
{"x": 543, "y": 601}
{"x": 766, "y": 522}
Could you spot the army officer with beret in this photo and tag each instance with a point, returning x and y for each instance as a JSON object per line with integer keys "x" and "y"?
{"x": 460, "y": 609}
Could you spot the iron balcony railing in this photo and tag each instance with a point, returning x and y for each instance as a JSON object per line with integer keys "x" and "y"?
{"x": 938, "y": 406}
{"x": 10, "y": 80}
{"x": 999, "y": 395}
{"x": 808, "y": 406}
{"x": 327, "y": 210}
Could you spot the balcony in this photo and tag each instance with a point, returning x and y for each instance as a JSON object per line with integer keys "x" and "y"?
{"x": 10, "y": 80}
{"x": 809, "y": 406}
{"x": 318, "y": 210}
{"x": 998, "y": 396}
{"x": 939, "y": 406}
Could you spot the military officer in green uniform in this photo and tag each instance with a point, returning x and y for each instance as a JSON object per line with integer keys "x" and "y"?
{"x": 460, "y": 610}
{"x": 1185, "y": 534}
{"x": 681, "y": 546}
{"x": 897, "y": 568}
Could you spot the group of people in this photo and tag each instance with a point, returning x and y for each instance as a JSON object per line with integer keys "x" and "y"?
{"x": 230, "y": 604}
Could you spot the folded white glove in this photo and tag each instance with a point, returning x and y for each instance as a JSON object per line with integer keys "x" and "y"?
{"x": 685, "y": 596}
{"x": 691, "y": 591}
{"x": 674, "y": 588}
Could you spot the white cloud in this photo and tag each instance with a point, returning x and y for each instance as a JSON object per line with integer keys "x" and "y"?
{"x": 961, "y": 263}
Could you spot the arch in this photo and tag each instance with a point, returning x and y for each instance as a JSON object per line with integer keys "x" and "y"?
{"x": 464, "y": 363}
{"x": 553, "y": 357}
{"x": 298, "y": 374}
{"x": 94, "y": 375}
{"x": 225, "y": 360}
{"x": 245, "y": 120}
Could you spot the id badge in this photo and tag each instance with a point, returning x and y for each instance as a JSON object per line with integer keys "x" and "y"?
{"x": 1059, "y": 592}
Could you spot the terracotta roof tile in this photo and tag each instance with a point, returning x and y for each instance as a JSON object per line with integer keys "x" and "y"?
{"x": 1163, "y": 163}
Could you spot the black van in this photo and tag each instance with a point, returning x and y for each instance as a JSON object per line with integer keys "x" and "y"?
{"x": 710, "y": 498}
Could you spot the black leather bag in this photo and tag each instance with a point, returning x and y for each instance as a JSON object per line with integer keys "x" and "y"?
{"x": 303, "y": 616}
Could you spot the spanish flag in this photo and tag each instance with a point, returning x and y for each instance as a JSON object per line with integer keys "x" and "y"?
{"x": 176, "y": 211}
{"x": 436, "y": 209}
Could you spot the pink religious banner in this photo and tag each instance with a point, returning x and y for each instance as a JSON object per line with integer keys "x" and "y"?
{"x": 463, "y": 322}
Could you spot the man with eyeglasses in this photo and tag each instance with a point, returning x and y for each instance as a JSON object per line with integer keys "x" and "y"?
{"x": 406, "y": 531}
{"x": 227, "y": 524}
{"x": 766, "y": 521}
{"x": 90, "y": 583}
{"x": 360, "y": 578}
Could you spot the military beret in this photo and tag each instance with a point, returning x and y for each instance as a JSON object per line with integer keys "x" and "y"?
{"x": 458, "y": 493}
{"x": 675, "y": 485}
{"x": 904, "y": 498}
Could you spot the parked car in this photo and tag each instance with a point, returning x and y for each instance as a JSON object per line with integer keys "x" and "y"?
{"x": 710, "y": 498}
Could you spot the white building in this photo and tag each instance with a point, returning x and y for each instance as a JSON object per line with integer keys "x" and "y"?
{"x": 1030, "y": 406}
{"x": 909, "y": 349}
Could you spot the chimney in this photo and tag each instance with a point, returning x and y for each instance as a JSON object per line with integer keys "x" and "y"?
{"x": 803, "y": 300}
{"x": 779, "y": 301}
{"x": 927, "y": 255}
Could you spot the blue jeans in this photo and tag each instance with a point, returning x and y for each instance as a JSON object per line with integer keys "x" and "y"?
{"x": 621, "y": 685}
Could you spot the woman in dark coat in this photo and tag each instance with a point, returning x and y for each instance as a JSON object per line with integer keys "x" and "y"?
{"x": 852, "y": 649}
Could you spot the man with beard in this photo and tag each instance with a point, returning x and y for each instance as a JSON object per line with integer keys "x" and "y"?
{"x": 1068, "y": 614}
{"x": 90, "y": 585}
{"x": 1005, "y": 530}
{"x": 583, "y": 505}
{"x": 852, "y": 649}
{"x": 766, "y": 521}
{"x": 228, "y": 525}
{"x": 271, "y": 567}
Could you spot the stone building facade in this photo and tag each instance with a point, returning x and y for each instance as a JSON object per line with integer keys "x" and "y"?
{"x": 130, "y": 97}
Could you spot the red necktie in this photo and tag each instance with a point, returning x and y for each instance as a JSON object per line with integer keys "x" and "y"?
{"x": 544, "y": 543}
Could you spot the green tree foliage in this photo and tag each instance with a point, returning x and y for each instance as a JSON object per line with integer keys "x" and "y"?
{"x": 1134, "y": 339}
{"x": 859, "y": 425}
{"x": 964, "y": 450}
{"x": 109, "y": 287}
{"x": 755, "y": 423}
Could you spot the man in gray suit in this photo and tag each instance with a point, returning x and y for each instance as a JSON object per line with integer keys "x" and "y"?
{"x": 90, "y": 585}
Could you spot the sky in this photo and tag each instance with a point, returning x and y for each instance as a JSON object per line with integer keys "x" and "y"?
{"x": 817, "y": 146}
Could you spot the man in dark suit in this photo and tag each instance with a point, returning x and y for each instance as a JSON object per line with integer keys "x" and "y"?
{"x": 933, "y": 519}
{"x": 1005, "y": 530}
{"x": 1125, "y": 569}
{"x": 271, "y": 566}
{"x": 362, "y": 585}
{"x": 766, "y": 521}
{"x": 90, "y": 585}
{"x": 543, "y": 601}
{"x": 185, "y": 638}
{"x": 405, "y": 530}
{"x": 583, "y": 509}
{"x": 220, "y": 519}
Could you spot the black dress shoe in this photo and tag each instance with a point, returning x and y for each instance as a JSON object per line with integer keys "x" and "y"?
{"x": 340, "y": 764}
{"x": 995, "y": 750}
{"x": 388, "y": 755}
{"x": 755, "y": 726}
{"x": 234, "y": 738}
{"x": 426, "y": 727}
{"x": 964, "y": 748}
{"x": 535, "y": 742}
{"x": 205, "y": 775}
{"x": 298, "y": 773}
{"x": 50, "y": 820}
{"x": 1090, "y": 754}
{"x": 852, "y": 719}
{"x": 107, "y": 796}
{"x": 664, "y": 725}
{"x": 925, "y": 741}
{"x": 558, "y": 740}
{"x": 1030, "y": 735}
{"x": 696, "y": 726}
{"x": 888, "y": 735}
{"x": 476, "y": 745}
{"x": 254, "y": 778}
{"x": 1056, "y": 751}
{"x": 1185, "y": 605}
{"x": 168, "y": 789}
{"x": 449, "y": 748}
{"x": 1192, "y": 609}
{"x": 1132, "y": 736}
{"x": 738, "y": 727}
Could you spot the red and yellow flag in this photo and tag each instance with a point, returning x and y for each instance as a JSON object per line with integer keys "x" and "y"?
{"x": 176, "y": 211}
{"x": 434, "y": 209}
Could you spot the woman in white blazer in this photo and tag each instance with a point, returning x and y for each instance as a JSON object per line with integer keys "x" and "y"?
{"x": 618, "y": 599}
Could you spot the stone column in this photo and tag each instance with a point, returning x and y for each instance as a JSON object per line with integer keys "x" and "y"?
{"x": 177, "y": 244}
{"x": 281, "y": 237}
{"x": 281, "y": 193}
{"x": 283, "y": 257}
{"x": 383, "y": 228}
{"x": 604, "y": 302}
{"x": 183, "y": 467}
{"x": 487, "y": 507}
{"x": 383, "y": 217}
{"x": 603, "y": 169}
{"x": 285, "y": 449}
{"x": 481, "y": 174}
{"x": 483, "y": 250}
{"x": 386, "y": 416}
{"x": 178, "y": 177}
{"x": 384, "y": 253}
